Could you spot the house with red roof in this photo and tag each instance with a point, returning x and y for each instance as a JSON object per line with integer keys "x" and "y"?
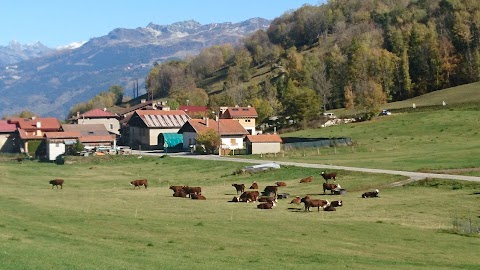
{"x": 198, "y": 112}
{"x": 92, "y": 135}
{"x": 145, "y": 127}
{"x": 263, "y": 143}
{"x": 231, "y": 132}
{"x": 32, "y": 130}
{"x": 98, "y": 116}
{"x": 246, "y": 116}
{"x": 9, "y": 140}
{"x": 56, "y": 143}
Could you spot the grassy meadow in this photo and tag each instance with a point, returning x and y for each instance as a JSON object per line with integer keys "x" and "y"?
{"x": 97, "y": 221}
{"x": 444, "y": 140}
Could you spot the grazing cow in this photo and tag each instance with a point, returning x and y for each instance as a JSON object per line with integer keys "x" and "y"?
{"x": 267, "y": 205}
{"x": 249, "y": 196}
{"x": 269, "y": 190}
{"x": 336, "y": 203}
{"x": 280, "y": 184}
{"x": 192, "y": 190}
{"x": 57, "y": 182}
{"x": 329, "y": 208}
{"x": 314, "y": 203}
{"x": 306, "y": 179}
{"x": 239, "y": 187}
{"x": 370, "y": 194}
{"x": 180, "y": 193}
{"x": 296, "y": 200}
{"x": 254, "y": 186}
{"x": 330, "y": 187}
{"x": 328, "y": 176}
{"x": 139, "y": 183}
{"x": 194, "y": 196}
{"x": 267, "y": 199}
{"x": 176, "y": 188}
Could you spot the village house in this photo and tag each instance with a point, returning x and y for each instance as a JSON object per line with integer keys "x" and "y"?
{"x": 246, "y": 116}
{"x": 92, "y": 136}
{"x": 263, "y": 143}
{"x": 9, "y": 141}
{"x": 231, "y": 133}
{"x": 56, "y": 143}
{"x": 198, "y": 112}
{"x": 146, "y": 126}
{"x": 98, "y": 116}
{"x": 32, "y": 130}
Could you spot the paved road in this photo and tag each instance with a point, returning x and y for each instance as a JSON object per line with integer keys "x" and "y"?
{"x": 412, "y": 175}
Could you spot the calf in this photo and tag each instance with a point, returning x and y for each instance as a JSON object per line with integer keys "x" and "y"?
{"x": 249, "y": 196}
{"x": 269, "y": 190}
{"x": 254, "y": 186}
{"x": 139, "y": 183}
{"x": 194, "y": 196}
{"x": 239, "y": 187}
{"x": 306, "y": 179}
{"x": 370, "y": 194}
{"x": 330, "y": 187}
{"x": 336, "y": 203}
{"x": 280, "y": 184}
{"x": 267, "y": 205}
{"x": 328, "y": 176}
{"x": 57, "y": 182}
{"x": 296, "y": 200}
{"x": 314, "y": 203}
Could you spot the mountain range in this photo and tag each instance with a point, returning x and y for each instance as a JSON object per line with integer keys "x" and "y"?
{"x": 49, "y": 81}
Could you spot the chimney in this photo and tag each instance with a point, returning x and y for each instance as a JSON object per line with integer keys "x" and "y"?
{"x": 206, "y": 121}
{"x": 78, "y": 114}
{"x": 33, "y": 117}
{"x": 104, "y": 109}
{"x": 39, "y": 124}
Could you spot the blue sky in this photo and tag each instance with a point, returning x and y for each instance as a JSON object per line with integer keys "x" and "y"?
{"x": 60, "y": 22}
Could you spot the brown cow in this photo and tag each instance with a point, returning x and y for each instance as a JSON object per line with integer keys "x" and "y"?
{"x": 254, "y": 186}
{"x": 330, "y": 187}
{"x": 267, "y": 205}
{"x": 296, "y": 200}
{"x": 314, "y": 203}
{"x": 180, "y": 193}
{"x": 197, "y": 197}
{"x": 249, "y": 196}
{"x": 306, "y": 179}
{"x": 192, "y": 190}
{"x": 267, "y": 199}
{"x": 328, "y": 176}
{"x": 239, "y": 187}
{"x": 280, "y": 184}
{"x": 176, "y": 188}
{"x": 57, "y": 182}
{"x": 269, "y": 190}
{"x": 139, "y": 183}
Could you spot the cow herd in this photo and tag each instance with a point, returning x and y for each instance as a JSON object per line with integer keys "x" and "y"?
{"x": 267, "y": 198}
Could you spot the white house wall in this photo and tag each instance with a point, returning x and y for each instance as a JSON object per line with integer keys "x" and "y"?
{"x": 54, "y": 150}
{"x": 232, "y": 143}
{"x": 153, "y": 135}
{"x": 264, "y": 148}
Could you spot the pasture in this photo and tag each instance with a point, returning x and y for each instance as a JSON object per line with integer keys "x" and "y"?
{"x": 97, "y": 221}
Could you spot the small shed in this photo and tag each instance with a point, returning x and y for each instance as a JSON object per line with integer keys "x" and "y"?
{"x": 170, "y": 141}
{"x": 263, "y": 143}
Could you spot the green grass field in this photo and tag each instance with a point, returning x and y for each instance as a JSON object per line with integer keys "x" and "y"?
{"x": 98, "y": 222}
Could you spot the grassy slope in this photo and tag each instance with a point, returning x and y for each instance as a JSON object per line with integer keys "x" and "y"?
{"x": 98, "y": 222}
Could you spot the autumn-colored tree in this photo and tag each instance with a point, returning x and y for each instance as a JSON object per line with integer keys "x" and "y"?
{"x": 209, "y": 139}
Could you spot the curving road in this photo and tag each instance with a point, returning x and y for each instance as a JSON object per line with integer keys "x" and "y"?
{"x": 413, "y": 175}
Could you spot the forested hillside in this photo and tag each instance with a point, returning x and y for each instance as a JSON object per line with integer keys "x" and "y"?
{"x": 346, "y": 53}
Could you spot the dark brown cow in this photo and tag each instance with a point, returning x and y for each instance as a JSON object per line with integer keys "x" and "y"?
{"x": 336, "y": 203}
{"x": 280, "y": 184}
{"x": 330, "y": 187}
{"x": 269, "y": 190}
{"x": 267, "y": 205}
{"x": 249, "y": 196}
{"x": 197, "y": 197}
{"x": 296, "y": 200}
{"x": 254, "y": 186}
{"x": 176, "y": 188}
{"x": 180, "y": 193}
{"x": 314, "y": 203}
{"x": 370, "y": 194}
{"x": 57, "y": 182}
{"x": 267, "y": 199}
{"x": 328, "y": 176}
{"x": 329, "y": 208}
{"x": 239, "y": 187}
{"x": 138, "y": 183}
{"x": 306, "y": 179}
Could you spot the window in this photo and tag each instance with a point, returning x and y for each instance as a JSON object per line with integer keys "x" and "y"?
{"x": 233, "y": 142}
{"x": 248, "y": 120}
{"x": 111, "y": 126}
